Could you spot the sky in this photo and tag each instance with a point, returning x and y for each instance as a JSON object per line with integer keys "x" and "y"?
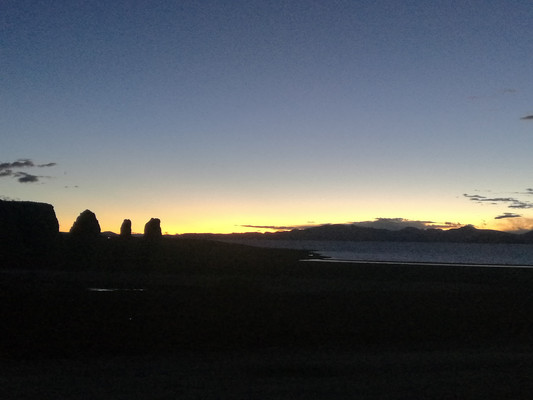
{"x": 234, "y": 116}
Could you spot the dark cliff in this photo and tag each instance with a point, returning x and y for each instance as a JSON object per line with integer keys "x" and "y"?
{"x": 25, "y": 224}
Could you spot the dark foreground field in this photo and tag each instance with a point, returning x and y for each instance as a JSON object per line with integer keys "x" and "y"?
{"x": 197, "y": 319}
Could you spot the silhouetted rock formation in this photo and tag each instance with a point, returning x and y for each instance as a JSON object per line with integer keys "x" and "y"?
{"x": 125, "y": 229}
{"x": 152, "y": 229}
{"x": 27, "y": 223}
{"x": 86, "y": 226}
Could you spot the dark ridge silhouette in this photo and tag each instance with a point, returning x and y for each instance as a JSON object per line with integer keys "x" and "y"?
{"x": 125, "y": 229}
{"x": 466, "y": 234}
{"x": 108, "y": 234}
{"x": 350, "y": 232}
{"x": 528, "y": 236}
{"x": 152, "y": 229}
{"x": 86, "y": 226}
{"x": 25, "y": 223}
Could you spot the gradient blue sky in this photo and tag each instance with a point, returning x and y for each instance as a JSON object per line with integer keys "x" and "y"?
{"x": 212, "y": 115}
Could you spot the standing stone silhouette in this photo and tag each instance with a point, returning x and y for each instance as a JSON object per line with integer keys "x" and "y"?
{"x": 125, "y": 229}
{"x": 152, "y": 229}
{"x": 86, "y": 226}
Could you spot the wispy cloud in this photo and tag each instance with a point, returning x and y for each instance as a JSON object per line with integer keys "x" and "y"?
{"x": 510, "y": 202}
{"x": 21, "y": 163}
{"x": 9, "y": 169}
{"x": 23, "y": 177}
{"x": 502, "y": 92}
{"x": 521, "y": 204}
{"x": 271, "y": 227}
{"x": 508, "y": 215}
{"x": 24, "y": 163}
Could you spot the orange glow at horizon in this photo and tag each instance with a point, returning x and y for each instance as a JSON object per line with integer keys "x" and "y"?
{"x": 243, "y": 225}
{"x": 238, "y": 215}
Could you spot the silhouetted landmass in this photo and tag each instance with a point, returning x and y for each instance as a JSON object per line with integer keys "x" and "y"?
{"x": 528, "y": 237}
{"x": 350, "y": 232}
{"x": 28, "y": 233}
{"x": 109, "y": 234}
{"x": 200, "y": 294}
{"x": 152, "y": 229}
{"x": 94, "y": 301}
{"x": 86, "y": 226}
{"x": 125, "y": 229}
{"x": 28, "y": 223}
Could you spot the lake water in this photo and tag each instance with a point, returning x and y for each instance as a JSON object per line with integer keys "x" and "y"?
{"x": 447, "y": 253}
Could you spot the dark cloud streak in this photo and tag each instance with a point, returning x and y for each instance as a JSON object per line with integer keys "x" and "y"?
{"x": 21, "y": 163}
{"x": 273, "y": 227}
{"x": 7, "y": 169}
{"x": 508, "y": 215}
{"x": 527, "y": 117}
{"x": 521, "y": 204}
{"x": 499, "y": 93}
{"x": 513, "y": 202}
{"x": 27, "y": 178}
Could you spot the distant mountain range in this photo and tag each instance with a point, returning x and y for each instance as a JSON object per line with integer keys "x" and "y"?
{"x": 349, "y": 232}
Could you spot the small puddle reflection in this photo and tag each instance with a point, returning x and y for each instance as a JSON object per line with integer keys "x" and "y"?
{"x": 114, "y": 290}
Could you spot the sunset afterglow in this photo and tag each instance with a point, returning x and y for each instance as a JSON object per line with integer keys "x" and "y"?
{"x": 256, "y": 116}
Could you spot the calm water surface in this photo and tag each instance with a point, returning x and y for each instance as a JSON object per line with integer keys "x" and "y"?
{"x": 449, "y": 253}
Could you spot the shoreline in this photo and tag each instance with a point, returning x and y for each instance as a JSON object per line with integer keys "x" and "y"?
{"x": 410, "y": 252}
{"x": 413, "y": 263}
